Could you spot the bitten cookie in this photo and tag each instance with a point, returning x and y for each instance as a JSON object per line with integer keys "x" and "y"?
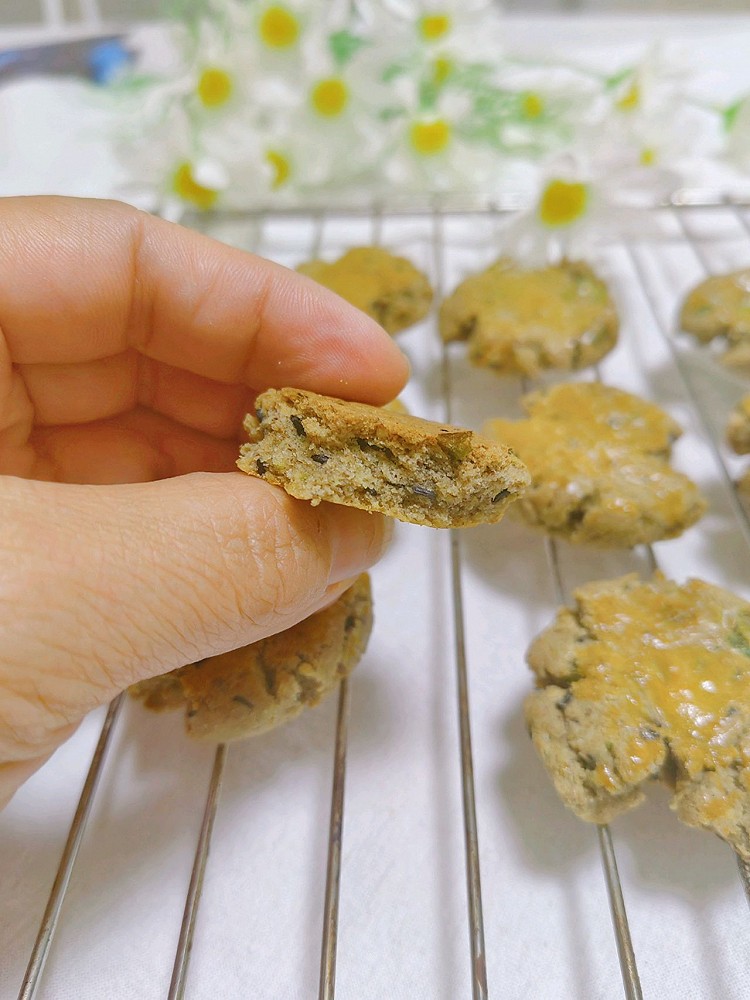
{"x": 386, "y": 287}
{"x": 648, "y": 680}
{"x": 598, "y": 459}
{"x": 258, "y": 687}
{"x": 520, "y": 321}
{"x": 719, "y": 307}
{"x": 320, "y": 448}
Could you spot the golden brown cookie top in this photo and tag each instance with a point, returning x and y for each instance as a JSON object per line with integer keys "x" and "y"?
{"x": 579, "y": 429}
{"x": 521, "y": 320}
{"x": 661, "y": 663}
{"x": 387, "y": 287}
{"x": 719, "y": 307}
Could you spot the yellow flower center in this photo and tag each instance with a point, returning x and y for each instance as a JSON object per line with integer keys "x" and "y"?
{"x": 442, "y": 67}
{"x": 281, "y": 167}
{"x": 630, "y": 99}
{"x": 430, "y": 138}
{"x": 562, "y": 203}
{"x": 329, "y": 97}
{"x": 278, "y": 27}
{"x": 532, "y": 105}
{"x": 187, "y": 187}
{"x": 214, "y": 87}
{"x": 433, "y": 26}
{"x": 647, "y": 157}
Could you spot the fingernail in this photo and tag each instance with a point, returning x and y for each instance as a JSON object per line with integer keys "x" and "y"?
{"x": 359, "y": 540}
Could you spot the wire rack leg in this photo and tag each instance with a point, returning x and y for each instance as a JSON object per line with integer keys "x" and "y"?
{"x": 48, "y": 925}
{"x": 630, "y": 978}
{"x": 471, "y": 837}
{"x": 185, "y": 942}
{"x": 327, "y": 984}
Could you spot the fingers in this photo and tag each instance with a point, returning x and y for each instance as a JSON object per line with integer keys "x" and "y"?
{"x": 109, "y": 585}
{"x": 138, "y": 446}
{"x": 105, "y": 387}
{"x": 84, "y": 280}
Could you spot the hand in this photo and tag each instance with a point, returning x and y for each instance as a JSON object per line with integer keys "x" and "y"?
{"x": 130, "y": 349}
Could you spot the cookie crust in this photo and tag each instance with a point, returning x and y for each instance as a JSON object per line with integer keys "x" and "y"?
{"x": 520, "y": 321}
{"x": 719, "y": 308}
{"x": 598, "y": 459}
{"x": 388, "y": 288}
{"x": 647, "y": 680}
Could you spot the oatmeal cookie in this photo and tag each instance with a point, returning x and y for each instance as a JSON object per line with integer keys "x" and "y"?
{"x": 648, "y": 680}
{"x": 520, "y": 321}
{"x": 738, "y": 427}
{"x": 320, "y": 448}
{"x": 598, "y": 459}
{"x": 719, "y": 307}
{"x": 386, "y": 287}
{"x": 258, "y": 687}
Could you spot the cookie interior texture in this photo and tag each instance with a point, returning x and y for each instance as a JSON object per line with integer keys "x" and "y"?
{"x": 645, "y": 680}
{"x": 598, "y": 459}
{"x": 520, "y": 321}
{"x": 389, "y": 288}
{"x": 258, "y": 687}
{"x": 719, "y": 307}
{"x": 321, "y": 448}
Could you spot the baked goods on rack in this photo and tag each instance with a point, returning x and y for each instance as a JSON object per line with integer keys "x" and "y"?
{"x": 644, "y": 680}
{"x": 520, "y": 321}
{"x": 719, "y": 307}
{"x": 738, "y": 437}
{"x": 599, "y": 464}
{"x": 389, "y": 288}
{"x": 258, "y": 687}
{"x": 321, "y": 448}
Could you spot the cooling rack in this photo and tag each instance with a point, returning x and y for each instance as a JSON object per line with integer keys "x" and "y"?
{"x": 448, "y": 868}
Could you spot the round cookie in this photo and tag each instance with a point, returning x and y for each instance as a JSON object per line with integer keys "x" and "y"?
{"x": 598, "y": 459}
{"x": 386, "y": 287}
{"x": 520, "y": 321}
{"x": 258, "y": 687}
{"x": 719, "y": 307}
{"x": 644, "y": 680}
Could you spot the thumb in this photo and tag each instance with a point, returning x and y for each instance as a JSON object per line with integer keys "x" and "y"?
{"x": 109, "y": 585}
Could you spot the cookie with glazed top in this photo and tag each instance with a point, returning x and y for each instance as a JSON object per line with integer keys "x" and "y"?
{"x": 520, "y": 321}
{"x": 258, "y": 687}
{"x": 389, "y": 288}
{"x": 321, "y": 448}
{"x": 641, "y": 681}
{"x": 719, "y": 308}
{"x": 599, "y": 464}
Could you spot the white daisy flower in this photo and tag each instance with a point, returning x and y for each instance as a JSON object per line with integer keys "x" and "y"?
{"x": 573, "y": 208}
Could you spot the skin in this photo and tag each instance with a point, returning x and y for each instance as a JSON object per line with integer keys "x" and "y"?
{"x": 130, "y": 349}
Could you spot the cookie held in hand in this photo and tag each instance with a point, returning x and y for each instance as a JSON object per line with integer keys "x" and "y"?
{"x": 321, "y": 448}
{"x": 645, "y": 680}
{"x": 258, "y": 687}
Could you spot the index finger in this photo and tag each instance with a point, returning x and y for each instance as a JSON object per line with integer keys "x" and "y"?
{"x": 83, "y": 279}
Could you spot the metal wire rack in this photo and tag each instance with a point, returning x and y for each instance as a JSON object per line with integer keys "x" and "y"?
{"x": 637, "y": 268}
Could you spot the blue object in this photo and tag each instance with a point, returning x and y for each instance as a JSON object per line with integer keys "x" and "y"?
{"x": 107, "y": 59}
{"x": 97, "y": 59}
